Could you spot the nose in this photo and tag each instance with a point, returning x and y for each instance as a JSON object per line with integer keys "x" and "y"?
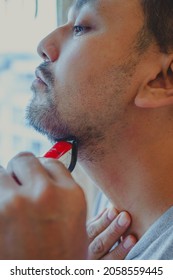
{"x": 48, "y": 48}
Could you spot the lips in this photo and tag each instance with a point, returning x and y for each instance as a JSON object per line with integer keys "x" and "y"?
{"x": 40, "y": 76}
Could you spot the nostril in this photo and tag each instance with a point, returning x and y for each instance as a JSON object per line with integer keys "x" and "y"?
{"x": 44, "y": 56}
{"x": 41, "y": 49}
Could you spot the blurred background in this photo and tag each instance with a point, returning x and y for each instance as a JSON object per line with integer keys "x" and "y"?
{"x": 23, "y": 23}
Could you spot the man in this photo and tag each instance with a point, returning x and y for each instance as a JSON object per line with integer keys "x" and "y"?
{"x": 107, "y": 79}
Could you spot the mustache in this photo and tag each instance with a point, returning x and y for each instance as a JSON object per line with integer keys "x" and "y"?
{"x": 46, "y": 73}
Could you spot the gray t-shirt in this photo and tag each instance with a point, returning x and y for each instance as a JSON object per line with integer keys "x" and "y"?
{"x": 156, "y": 243}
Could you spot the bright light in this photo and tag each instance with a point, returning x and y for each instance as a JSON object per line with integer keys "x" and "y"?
{"x": 19, "y": 29}
{"x": 20, "y": 33}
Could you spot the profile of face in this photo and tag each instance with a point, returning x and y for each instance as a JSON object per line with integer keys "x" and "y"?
{"x": 86, "y": 80}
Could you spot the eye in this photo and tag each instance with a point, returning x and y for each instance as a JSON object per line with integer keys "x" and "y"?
{"x": 79, "y": 30}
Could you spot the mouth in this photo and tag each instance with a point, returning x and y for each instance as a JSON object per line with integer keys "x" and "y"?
{"x": 39, "y": 77}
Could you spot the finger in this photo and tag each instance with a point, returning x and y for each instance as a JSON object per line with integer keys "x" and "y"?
{"x": 27, "y": 169}
{"x": 100, "y": 224}
{"x": 58, "y": 172}
{"x": 102, "y": 244}
{"x": 7, "y": 188}
{"x": 121, "y": 251}
{"x": 6, "y": 181}
{"x": 96, "y": 217}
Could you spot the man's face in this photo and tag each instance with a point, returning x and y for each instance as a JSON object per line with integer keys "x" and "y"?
{"x": 86, "y": 82}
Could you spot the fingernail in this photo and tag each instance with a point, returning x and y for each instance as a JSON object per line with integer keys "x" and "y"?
{"x": 112, "y": 213}
{"x": 128, "y": 242}
{"x": 123, "y": 219}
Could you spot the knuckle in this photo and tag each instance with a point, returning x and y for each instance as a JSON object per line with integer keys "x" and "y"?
{"x": 104, "y": 221}
{"x": 23, "y": 154}
{"x": 115, "y": 230}
{"x": 91, "y": 230}
{"x": 44, "y": 188}
{"x": 49, "y": 161}
{"x": 20, "y": 157}
{"x": 60, "y": 164}
{"x": 111, "y": 214}
{"x": 97, "y": 246}
{"x": 43, "y": 183}
{"x": 51, "y": 164}
{"x": 45, "y": 192}
{"x": 57, "y": 163}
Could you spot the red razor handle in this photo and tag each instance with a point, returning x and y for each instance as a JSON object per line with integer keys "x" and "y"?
{"x": 58, "y": 150}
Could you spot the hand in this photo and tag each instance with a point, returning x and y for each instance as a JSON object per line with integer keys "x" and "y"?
{"x": 107, "y": 229}
{"x": 42, "y": 211}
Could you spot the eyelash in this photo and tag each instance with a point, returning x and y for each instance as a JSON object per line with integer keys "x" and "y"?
{"x": 83, "y": 29}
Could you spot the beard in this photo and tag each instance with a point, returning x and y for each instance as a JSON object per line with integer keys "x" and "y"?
{"x": 46, "y": 115}
{"x": 42, "y": 112}
{"x": 46, "y": 119}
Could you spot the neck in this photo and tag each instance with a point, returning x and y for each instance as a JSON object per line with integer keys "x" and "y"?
{"x": 138, "y": 181}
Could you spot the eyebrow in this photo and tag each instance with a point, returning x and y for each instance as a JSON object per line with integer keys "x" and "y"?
{"x": 80, "y": 3}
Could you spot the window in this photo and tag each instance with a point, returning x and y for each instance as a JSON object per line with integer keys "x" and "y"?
{"x": 17, "y": 116}
{"x": 16, "y": 142}
{"x": 20, "y": 32}
{"x": 36, "y": 147}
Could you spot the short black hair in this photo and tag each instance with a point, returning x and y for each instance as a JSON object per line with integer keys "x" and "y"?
{"x": 158, "y": 22}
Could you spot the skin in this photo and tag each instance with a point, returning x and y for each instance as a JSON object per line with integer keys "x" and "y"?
{"x": 30, "y": 226}
{"x": 84, "y": 104}
{"x": 34, "y": 224}
{"x": 104, "y": 231}
{"x": 117, "y": 102}
{"x": 119, "y": 111}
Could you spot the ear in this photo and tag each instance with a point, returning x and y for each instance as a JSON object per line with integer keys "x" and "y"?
{"x": 158, "y": 91}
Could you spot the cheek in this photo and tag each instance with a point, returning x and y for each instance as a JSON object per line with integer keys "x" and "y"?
{"x": 81, "y": 60}
{"x": 83, "y": 79}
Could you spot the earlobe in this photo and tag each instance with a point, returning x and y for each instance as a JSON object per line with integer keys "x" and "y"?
{"x": 157, "y": 92}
